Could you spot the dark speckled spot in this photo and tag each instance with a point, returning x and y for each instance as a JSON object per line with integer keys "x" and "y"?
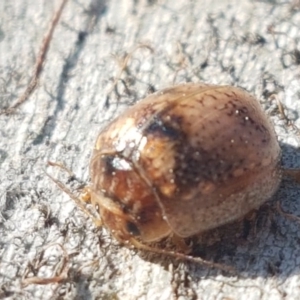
{"x": 132, "y": 229}
{"x": 163, "y": 129}
{"x": 108, "y": 164}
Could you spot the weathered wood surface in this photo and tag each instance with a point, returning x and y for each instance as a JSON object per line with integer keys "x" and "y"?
{"x": 252, "y": 44}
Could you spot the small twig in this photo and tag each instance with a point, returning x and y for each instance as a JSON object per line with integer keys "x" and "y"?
{"x": 280, "y": 107}
{"x": 39, "y": 63}
{"x": 63, "y": 274}
{"x": 124, "y": 64}
{"x": 182, "y": 62}
{"x": 42, "y": 280}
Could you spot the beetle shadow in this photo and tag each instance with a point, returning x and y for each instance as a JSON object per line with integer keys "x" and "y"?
{"x": 265, "y": 244}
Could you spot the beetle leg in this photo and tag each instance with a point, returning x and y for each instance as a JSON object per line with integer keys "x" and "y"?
{"x": 184, "y": 257}
{"x": 180, "y": 243}
{"x": 292, "y": 173}
{"x": 85, "y": 196}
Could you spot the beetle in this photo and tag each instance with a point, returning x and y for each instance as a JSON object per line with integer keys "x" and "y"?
{"x": 182, "y": 161}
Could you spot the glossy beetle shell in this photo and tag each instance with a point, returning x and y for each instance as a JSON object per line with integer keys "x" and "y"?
{"x": 184, "y": 160}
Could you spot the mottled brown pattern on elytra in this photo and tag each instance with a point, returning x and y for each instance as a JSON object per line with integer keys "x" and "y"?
{"x": 184, "y": 160}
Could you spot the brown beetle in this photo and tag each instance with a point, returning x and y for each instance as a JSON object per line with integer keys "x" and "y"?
{"x": 182, "y": 161}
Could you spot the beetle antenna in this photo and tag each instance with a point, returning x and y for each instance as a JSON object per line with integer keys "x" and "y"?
{"x": 78, "y": 200}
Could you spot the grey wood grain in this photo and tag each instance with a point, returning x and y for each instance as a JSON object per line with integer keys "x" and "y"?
{"x": 252, "y": 44}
